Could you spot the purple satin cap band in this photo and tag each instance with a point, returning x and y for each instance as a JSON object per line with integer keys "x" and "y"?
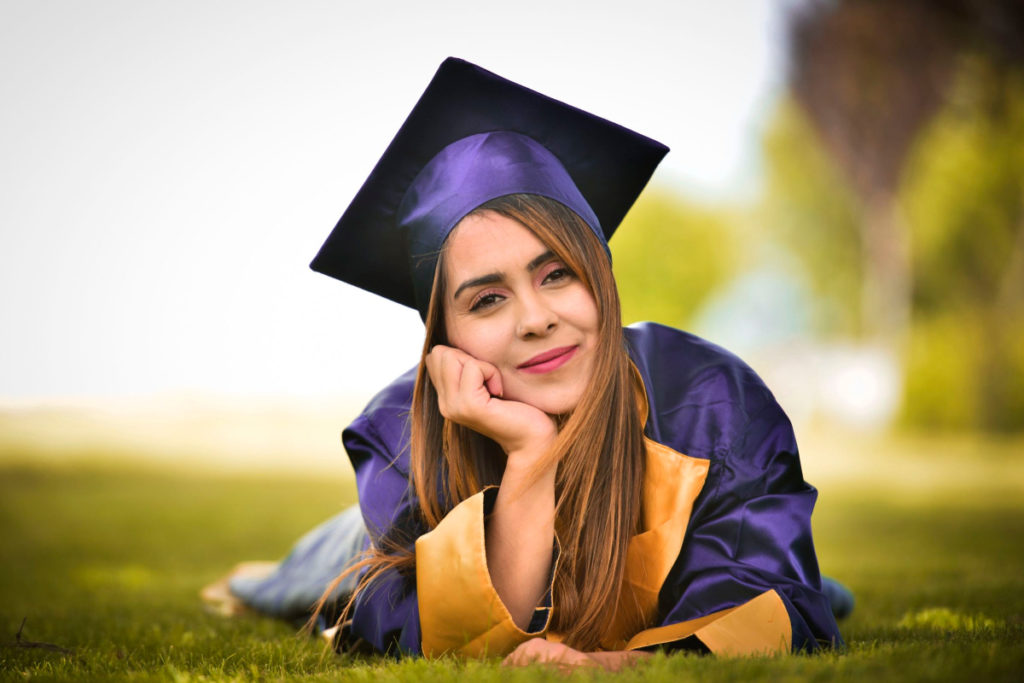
{"x": 470, "y": 172}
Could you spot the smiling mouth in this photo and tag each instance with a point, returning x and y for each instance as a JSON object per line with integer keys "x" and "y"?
{"x": 549, "y": 360}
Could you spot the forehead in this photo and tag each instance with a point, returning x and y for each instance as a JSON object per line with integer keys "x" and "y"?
{"x": 489, "y": 242}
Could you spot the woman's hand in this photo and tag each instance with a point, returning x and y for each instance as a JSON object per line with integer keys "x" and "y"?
{"x": 540, "y": 651}
{"x": 469, "y": 392}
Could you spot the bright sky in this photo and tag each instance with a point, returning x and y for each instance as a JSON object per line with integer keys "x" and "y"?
{"x": 169, "y": 168}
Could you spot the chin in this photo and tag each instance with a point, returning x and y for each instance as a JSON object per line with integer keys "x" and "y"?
{"x": 553, "y": 402}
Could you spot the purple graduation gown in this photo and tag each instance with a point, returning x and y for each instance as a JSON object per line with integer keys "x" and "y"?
{"x": 750, "y": 530}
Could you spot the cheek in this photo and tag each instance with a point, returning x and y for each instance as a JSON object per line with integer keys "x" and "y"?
{"x": 585, "y": 310}
{"x": 479, "y": 339}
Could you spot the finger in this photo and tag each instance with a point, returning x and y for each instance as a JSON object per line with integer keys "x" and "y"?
{"x": 492, "y": 380}
{"x": 446, "y": 362}
{"x": 491, "y": 377}
{"x": 445, "y": 368}
{"x": 431, "y": 361}
{"x": 473, "y": 379}
{"x": 524, "y": 653}
{"x": 452, "y": 370}
{"x": 434, "y": 360}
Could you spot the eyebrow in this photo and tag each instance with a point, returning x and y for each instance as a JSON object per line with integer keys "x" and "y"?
{"x": 492, "y": 278}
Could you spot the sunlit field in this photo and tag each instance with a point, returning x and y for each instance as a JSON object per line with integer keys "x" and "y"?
{"x": 103, "y": 554}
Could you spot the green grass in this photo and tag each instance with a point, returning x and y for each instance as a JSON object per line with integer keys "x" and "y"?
{"x": 106, "y": 559}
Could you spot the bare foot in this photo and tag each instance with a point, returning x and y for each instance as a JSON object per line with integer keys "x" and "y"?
{"x": 218, "y": 596}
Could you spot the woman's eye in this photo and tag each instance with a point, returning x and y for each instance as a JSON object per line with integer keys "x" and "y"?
{"x": 485, "y": 301}
{"x": 558, "y": 274}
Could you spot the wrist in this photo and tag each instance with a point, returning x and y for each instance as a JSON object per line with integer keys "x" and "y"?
{"x": 529, "y": 482}
{"x": 526, "y": 452}
{"x": 529, "y": 463}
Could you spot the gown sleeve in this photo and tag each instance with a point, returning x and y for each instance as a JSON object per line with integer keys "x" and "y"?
{"x": 746, "y": 578}
{"x": 385, "y": 613}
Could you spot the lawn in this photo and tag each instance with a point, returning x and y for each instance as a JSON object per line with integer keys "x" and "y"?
{"x": 104, "y": 558}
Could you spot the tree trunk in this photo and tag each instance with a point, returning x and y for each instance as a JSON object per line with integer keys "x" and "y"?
{"x": 886, "y": 289}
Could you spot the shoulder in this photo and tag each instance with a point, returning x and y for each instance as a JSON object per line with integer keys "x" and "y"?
{"x": 392, "y": 402}
{"x": 676, "y": 365}
{"x": 383, "y": 426}
{"x": 704, "y": 400}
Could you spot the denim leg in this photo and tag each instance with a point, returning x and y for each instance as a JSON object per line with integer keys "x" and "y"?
{"x": 314, "y": 561}
{"x": 840, "y": 597}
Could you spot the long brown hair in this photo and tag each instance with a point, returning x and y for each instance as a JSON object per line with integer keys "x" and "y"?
{"x": 599, "y": 450}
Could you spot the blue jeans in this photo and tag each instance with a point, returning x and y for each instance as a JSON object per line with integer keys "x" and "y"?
{"x": 299, "y": 581}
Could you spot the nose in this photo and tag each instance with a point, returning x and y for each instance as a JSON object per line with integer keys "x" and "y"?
{"x": 536, "y": 317}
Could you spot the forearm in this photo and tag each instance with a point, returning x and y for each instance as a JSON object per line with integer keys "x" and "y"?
{"x": 519, "y": 537}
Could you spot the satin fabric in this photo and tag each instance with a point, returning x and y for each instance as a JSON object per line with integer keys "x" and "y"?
{"x": 748, "y": 534}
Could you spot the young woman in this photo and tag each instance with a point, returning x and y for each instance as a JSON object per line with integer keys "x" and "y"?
{"x": 546, "y": 484}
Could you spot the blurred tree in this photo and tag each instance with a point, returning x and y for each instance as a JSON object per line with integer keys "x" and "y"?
{"x": 668, "y": 255}
{"x": 920, "y": 105}
{"x": 869, "y": 74}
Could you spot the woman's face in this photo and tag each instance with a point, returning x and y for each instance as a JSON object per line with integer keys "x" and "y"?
{"x": 511, "y": 302}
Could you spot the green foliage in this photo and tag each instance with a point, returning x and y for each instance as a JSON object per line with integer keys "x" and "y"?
{"x": 941, "y": 379}
{"x": 669, "y": 255}
{"x": 808, "y": 207}
{"x": 963, "y": 374}
{"x": 964, "y": 200}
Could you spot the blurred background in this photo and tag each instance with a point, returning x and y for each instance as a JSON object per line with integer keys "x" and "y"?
{"x": 843, "y": 206}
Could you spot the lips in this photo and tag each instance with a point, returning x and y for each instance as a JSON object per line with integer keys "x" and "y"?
{"x": 549, "y": 360}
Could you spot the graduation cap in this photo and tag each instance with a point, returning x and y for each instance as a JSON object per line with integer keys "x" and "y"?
{"x": 474, "y": 136}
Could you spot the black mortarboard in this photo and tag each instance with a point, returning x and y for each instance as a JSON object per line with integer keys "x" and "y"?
{"x": 472, "y": 137}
